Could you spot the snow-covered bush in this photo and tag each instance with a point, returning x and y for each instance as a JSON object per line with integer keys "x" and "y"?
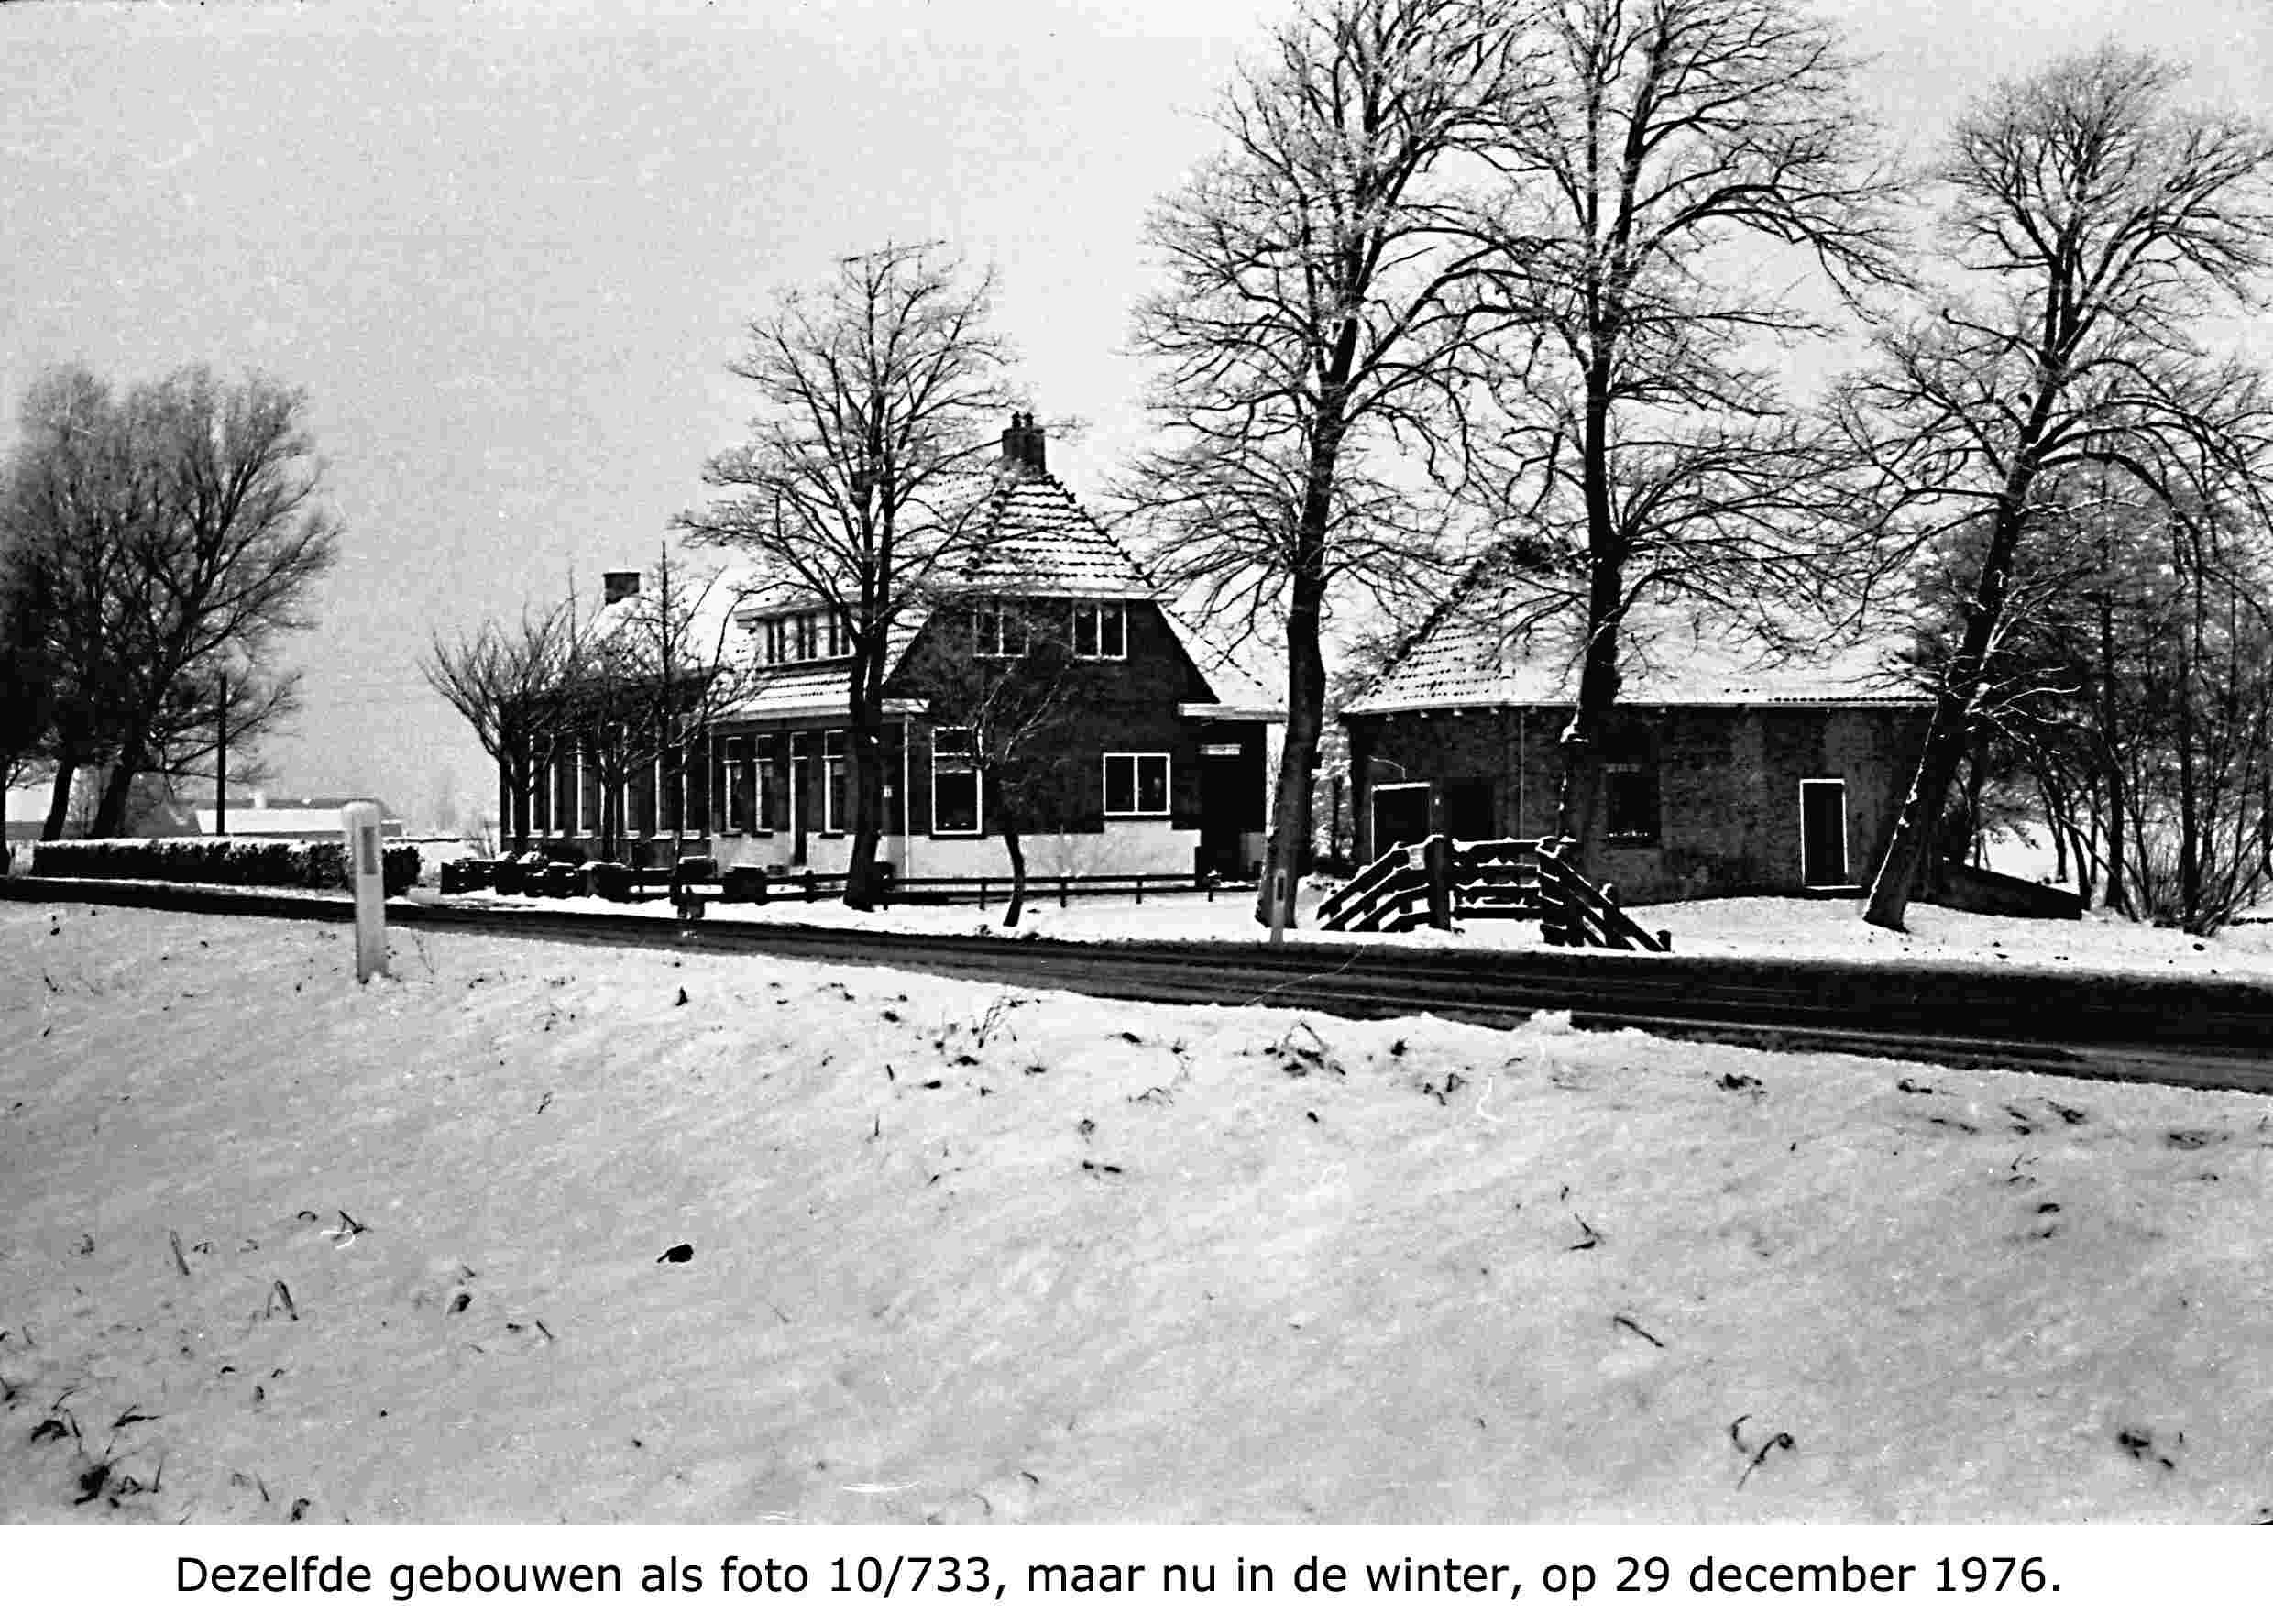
{"x": 319, "y": 865}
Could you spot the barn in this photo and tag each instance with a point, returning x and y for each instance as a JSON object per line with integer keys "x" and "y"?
{"x": 1734, "y": 766}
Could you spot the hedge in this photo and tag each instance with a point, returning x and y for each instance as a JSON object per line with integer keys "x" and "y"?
{"x": 311, "y": 865}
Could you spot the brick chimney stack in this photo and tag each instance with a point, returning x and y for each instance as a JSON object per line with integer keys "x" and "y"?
{"x": 1022, "y": 444}
{"x": 618, "y": 585}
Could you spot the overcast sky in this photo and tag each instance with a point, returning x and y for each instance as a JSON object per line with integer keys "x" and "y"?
{"x": 509, "y": 250}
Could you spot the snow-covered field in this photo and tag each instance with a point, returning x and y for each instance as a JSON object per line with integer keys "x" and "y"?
{"x": 965, "y": 1255}
{"x": 1748, "y": 927}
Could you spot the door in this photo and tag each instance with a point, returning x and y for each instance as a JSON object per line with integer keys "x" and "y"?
{"x": 1400, "y": 816}
{"x": 1231, "y": 803}
{"x": 1822, "y": 831}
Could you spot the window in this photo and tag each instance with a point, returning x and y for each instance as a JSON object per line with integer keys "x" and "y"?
{"x": 803, "y": 637}
{"x": 541, "y": 811}
{"x": 769, "y": 785}
{"x": 1001, "y": 630}
{"x": 587, "y": 774}
{"x": 1137, "y": 786}
{"x": 741, "y": 784}
{"x": 668, "y": 776}
{"x": 1100, "y": 631}
{"x": 697, "y": 807}
{"x": 832, "y": 781}
{"x": 642, "y": 798}
{"x": 1629, "y": 794}
{"x": 954, "y": 782}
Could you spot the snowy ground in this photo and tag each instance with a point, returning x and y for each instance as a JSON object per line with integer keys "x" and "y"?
{"x": 1746, "y": 927}
{"x": 970, "y": 1256}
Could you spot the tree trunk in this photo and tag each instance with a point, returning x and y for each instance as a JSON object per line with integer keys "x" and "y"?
{"x": 863, "y": 879}
{"x": 1018, "y": 875}
{"x": 110, "y": 813}
{"x": 1306, "y": 703}
{"x": 59, "y": 799}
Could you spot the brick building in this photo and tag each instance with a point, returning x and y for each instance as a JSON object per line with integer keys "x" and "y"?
{"x": 1731, "y": 769}
{"x": 1160, "y": 746}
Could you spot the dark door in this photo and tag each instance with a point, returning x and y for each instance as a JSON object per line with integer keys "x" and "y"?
{"x": 1400, "y": 816}
{"x": 797, "y": 819}
{"x": 1823, "y": 831}
{"x": 1231, "y": 804}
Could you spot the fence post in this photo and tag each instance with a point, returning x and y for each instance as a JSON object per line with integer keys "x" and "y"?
{"x": 1061, "y": 888}
{"x": 983, "y": 890}
{"x": 367, "y": 879}
{"x": 1436, "y": 864}
{"x": 1140, "y": 890}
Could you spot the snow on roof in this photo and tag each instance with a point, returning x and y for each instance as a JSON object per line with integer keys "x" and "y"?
{"x": 1489, "y": 648}
{"x": 1037, "y": 541}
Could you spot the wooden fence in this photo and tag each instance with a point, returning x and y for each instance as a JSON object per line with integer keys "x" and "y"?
{"x": 1438, "y": 881}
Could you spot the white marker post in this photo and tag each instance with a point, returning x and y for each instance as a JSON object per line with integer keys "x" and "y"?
{"x": 1277, "y": 906}
{"x": 366, "y": 880}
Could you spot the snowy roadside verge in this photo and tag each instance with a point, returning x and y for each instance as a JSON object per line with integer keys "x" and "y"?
{"x": 972, "y": 1255}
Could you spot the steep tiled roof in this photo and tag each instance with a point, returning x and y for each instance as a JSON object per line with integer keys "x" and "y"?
{"x": 1038, "y": 542}
{"x": 1487, "y": 649}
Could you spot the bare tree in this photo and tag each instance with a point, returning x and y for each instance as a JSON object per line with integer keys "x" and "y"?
{"x": 651, "y": 678}
{"x": 1310, "y": 336}
{"x": 2098, "y": 223}
{"x": 509, "y": 682}
{"x": 180, "y": 530}
{"x": 77, "y": 496}
{"x": 1663, "y": 185}
{"x": 862, "y": 483}
{"x": 27, "y": 665}
{"x": 1010, "y": 717}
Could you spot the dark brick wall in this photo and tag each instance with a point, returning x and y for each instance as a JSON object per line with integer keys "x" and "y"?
{"x": 1728, "y": 784}
{"x": 1127, "y": 706}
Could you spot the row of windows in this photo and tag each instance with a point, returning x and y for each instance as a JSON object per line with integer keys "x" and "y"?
{"x": 807, "y": 635}
{"x": 1005, "y": 629}
{"x": 1002, "y": 629}
{"x": 744, "y": 788}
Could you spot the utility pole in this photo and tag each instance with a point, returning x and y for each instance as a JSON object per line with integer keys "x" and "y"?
{"x": 221, "y": 759}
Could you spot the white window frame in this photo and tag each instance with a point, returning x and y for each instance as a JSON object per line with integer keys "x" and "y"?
{"x": 1137, "y": 810}
{"x": 992, "y": 628}
{"x": 1094, "y": 617}
{"x": 1845, "y": 866}
{"x": 1373, "y": 822}
{"x": 832, "y": 755}
{"x": 969, "y": 757}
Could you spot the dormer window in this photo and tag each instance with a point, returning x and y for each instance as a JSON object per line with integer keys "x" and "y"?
{"x": 801, "y": 638}
{"x": 1100, "y": 631}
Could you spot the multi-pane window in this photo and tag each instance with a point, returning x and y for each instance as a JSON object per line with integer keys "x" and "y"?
{"x": 1001, "y": 629}
{"x": 806, "y": 635}
{"x": 1100, "y": 631}
{"x": 954, "y": 782}
{"x": 832, "y": 781}
{"x": 1135, "y": 786}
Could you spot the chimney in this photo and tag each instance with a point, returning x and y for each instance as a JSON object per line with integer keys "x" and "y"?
{"x": 618, "y": 585}
{"x": 1022, "y": 444}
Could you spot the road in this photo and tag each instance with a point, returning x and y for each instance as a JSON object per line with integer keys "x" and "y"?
{"x": 2196, "y": 1034}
